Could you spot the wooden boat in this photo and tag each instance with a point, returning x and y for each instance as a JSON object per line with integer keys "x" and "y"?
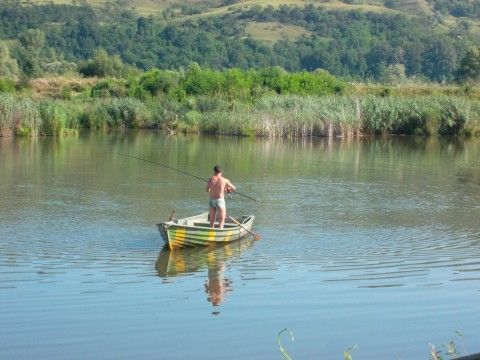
{"x": 195, "y": 231}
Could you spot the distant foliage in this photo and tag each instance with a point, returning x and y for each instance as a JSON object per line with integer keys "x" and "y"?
{"x": 350, "y": 44}
{"x": 102, "y": 65}
{"x": 232, "y": 84}
{"x": 8, "y": 66}
{"x": 392, "y": 4}
{"x": 18, "y": 116}
{"x": 469, "y": 69}
{"x": 458, "y": 8}
{"x": 236, "y": 83}
{"x": 53, "y": 118}
{"x": 156, "y": 81}
{"x": 269, "y": 115}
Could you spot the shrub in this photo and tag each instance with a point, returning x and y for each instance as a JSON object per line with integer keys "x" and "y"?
{"x": 53, "y": 116}
{"x": 103, "y": 65}
{"x": 159, "y": 81}
{"x": 7, "y": 113}
{"x": 109, "y": 88}
{"x": 7, "y": 85}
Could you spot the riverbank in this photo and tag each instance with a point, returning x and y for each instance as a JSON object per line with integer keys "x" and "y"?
{"x": 268, "y": 102}
{"x": 269, "y": 115}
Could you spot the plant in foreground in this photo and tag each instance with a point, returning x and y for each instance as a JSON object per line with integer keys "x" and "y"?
{"x": 347, "y": 354}
{"x": 450, "y": 350}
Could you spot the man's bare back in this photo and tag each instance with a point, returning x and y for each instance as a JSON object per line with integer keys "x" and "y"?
{"x": 216, "y": 187}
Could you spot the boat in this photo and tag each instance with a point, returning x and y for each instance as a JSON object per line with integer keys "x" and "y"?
{"x": 195, "y": 231}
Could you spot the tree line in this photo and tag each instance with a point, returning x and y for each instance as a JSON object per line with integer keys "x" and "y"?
{"x": 39, "y": 39}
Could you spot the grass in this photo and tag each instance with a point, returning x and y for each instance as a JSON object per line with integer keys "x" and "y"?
{"x": 155, "y": 7}
{"x": 143, "y": 7}
{"x": 274, "y": 31}
{"x": 414, "y": 89}
{"x": 269, "y": 116}
{"x": 54, "y": 105}
{"x": 59, "y": 87}
{"x": 331, "y": 4}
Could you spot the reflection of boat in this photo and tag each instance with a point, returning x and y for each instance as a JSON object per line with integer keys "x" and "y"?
{"x": 196, "y": 231}
{"x": 191, "y": 260}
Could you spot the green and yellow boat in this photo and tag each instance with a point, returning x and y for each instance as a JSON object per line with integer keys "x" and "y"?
{"x": 195, "y": 231}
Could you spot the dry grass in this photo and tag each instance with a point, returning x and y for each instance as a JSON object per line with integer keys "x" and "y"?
{"x": 143, "y": 7}
{"x": 56, "y": 86}
{"x": 274, "y": 31}
{"x": 331, "y": 4}
{"x": 408, "y": 7}
{"x": 414, "y": 89}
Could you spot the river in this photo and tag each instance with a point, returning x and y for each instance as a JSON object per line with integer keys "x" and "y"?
{"x": 366, "y": 242}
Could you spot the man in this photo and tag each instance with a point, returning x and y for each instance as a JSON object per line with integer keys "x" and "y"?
{"x": 216, "y": 187}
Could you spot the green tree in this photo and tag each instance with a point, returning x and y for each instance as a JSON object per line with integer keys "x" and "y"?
{"x": 32, "y": 43}
{"x": 103, "y": 65}
{"x": 202, "y": 81}
{"x": 237, "y": 84}
{"x": 8, "y": 66}
{"x": 157, "y": 81}
{"x": 469, "y": 68}
{"x": 440, "y": 60}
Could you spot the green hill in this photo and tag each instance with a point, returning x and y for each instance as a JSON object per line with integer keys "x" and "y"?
{"x": 355, "y": 39}
{"x": 457, "y": 9}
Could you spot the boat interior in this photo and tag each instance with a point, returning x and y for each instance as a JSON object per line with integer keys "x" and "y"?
{"x": 202, "y": 221}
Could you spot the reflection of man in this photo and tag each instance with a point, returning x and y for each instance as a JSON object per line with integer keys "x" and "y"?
{"x": 216, "y": 187}
{"x": 216, "y": 286}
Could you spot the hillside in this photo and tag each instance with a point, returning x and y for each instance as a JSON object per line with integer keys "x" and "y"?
{"x": 453, "y": 10}
{"x": 354, "y": 39}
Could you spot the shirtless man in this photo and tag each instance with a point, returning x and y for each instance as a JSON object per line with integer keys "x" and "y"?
{"x": 216, "y": 187}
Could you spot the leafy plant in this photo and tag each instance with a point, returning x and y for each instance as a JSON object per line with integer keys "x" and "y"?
{"x": 283, "y": 349}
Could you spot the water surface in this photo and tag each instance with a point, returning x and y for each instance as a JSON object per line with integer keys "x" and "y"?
{"x": 371, "y": 242}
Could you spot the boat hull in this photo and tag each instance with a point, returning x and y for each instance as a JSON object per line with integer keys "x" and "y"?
{"x": 195, "y": 231}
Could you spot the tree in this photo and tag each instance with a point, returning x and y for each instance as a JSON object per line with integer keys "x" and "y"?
{"x": 440, "y": 60}
{"x": 394, "y": 74}
{"x": 157, "y": 81}
{"x": 32, "y": 42}
{"x": 469, "y": 68}
{"x": 8, "y": 66}
{"x": 103, "y": 65}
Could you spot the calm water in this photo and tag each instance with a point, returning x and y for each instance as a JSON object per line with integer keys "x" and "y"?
{"x": 374, "y": 243}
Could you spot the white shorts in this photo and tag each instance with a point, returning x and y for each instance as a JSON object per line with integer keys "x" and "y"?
{"x": 216, "y": 203}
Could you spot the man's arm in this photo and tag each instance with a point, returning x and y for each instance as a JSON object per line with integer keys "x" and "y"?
{"x": 207, "y": 188}
{"x": 230, "y": 187}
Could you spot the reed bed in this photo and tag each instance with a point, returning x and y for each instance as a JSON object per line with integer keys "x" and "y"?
{"x": 18, "y": 116}
{"x": 348, "y": 116}
{"x": 269, "y": 115}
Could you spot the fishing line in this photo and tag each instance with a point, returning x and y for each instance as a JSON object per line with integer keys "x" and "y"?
{"x": 177, "y": 170}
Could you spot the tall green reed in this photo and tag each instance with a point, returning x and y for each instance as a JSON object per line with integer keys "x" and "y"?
{"x": 269, "y": 115}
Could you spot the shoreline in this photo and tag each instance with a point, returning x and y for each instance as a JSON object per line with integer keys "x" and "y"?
{"x": 267, "y": 116}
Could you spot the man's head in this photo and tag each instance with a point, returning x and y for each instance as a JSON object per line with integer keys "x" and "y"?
{"x": 217, "y": 169}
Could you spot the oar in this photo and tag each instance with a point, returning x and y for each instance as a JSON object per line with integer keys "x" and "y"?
{"x": 173, "y": 214}
{"x": 255, "y": 235}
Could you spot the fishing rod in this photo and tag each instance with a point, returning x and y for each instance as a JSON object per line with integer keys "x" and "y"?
{"x": 177, "y": 170}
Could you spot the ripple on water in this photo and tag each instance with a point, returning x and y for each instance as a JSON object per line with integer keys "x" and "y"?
{"x": 356, "y": 239}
